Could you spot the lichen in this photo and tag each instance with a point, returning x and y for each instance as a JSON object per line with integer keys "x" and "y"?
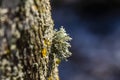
{"x": 60, "y": 44}
{"x": 29, "y": 47}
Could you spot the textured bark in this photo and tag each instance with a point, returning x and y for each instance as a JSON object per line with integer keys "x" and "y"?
{"x": 28, "y": 43}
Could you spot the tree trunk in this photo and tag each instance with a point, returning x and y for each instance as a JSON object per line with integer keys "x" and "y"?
{"x": 29, "y": 47}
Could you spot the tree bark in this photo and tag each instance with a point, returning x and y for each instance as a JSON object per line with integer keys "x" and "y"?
{"x": 30, "y": 49}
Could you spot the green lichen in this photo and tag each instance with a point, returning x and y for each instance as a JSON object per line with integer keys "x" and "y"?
{"x": 60, "y": 44}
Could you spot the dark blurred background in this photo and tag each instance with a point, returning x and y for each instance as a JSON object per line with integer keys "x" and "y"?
{"x": 94, "y": 26}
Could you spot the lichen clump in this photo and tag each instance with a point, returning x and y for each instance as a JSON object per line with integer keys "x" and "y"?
{"x": 61, "y": 44}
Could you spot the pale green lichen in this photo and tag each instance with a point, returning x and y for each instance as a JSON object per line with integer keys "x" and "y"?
{"x": 61, "y": 44}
